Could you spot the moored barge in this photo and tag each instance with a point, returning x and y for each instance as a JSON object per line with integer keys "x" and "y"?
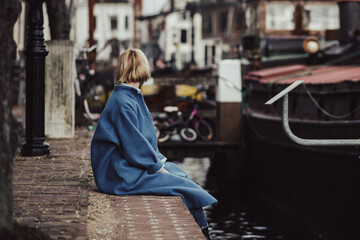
{"x": 316, "y": 185}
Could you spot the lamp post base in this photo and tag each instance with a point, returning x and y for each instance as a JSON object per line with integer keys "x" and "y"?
{"x": 35, "y": 149}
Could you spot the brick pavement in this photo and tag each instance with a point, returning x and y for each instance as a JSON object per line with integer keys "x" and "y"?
{"x": 51, "y": 192}
{"x": 57, "y": 195}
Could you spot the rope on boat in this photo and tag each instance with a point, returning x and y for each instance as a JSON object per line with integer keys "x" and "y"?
{"x": 326, "y": 112}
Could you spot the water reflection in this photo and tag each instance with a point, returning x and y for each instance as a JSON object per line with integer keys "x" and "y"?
{"x": 237, "y": 216}
{"x": 229, "y": 219}
{"x": 196, "y": 168}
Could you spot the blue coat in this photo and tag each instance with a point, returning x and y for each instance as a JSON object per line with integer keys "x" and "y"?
{"x": 125, "y": 157}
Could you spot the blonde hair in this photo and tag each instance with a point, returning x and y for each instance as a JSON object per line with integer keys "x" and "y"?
{"x": 133, "y": 66}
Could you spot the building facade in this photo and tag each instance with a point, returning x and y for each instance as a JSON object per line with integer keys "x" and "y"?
{"x": 114, "y": 26}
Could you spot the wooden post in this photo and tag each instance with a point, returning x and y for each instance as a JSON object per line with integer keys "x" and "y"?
{"x": 137, "y": 11}
{"x": 299, "y": 19}
{"x": 192, "y": 61}
{"x": 228, "y": 124}
{"x": 229, "y": 101}
{"x": 92, "y": 56}
{"x": 59, "y": 90}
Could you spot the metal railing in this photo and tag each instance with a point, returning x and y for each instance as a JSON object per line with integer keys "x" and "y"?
{"x": 302, "y": 141}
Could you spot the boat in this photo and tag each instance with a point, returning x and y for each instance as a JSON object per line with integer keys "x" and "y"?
{"x": 316, "y": 185}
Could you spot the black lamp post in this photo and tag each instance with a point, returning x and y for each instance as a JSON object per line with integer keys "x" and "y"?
{"x": 36, "y": 53}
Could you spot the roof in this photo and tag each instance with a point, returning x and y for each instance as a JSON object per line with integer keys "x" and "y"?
{"x": 310, "y": 74}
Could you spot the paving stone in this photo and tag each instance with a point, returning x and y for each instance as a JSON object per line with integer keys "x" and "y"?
{"x": 57, "y": 194}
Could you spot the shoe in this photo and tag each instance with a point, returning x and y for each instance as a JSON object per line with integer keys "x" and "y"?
{"x": 206, "y": 233}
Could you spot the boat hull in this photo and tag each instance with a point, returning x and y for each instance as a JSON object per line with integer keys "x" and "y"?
{"x": 318, "y": 186}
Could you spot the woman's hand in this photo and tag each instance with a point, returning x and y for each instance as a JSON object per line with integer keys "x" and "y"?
{"x": 164, "y": 170}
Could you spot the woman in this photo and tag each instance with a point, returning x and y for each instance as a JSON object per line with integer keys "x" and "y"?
{"x": 124, "y": 154}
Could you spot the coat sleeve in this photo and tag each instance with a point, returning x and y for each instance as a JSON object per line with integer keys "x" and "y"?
{"x": 160, "y": 156}
{"x": 136, "y": 149}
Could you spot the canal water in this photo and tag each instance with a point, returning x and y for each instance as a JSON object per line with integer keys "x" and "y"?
{"x": 240, "y": 215}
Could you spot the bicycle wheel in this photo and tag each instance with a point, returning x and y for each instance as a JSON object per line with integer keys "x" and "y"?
{"x": 204, "y": 130}
{"x": 162, "y": 133}
{"x": 94, "y": 102}
{"x": 88, "y": 113}
{"x": 188, "y": 134}
{"x": 157, "y": 131}
{"x": 163, "y": 137}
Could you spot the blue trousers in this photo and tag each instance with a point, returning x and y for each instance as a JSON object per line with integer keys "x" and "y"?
{"x": 199, "y": 216}
{"x": 198, "y": 213}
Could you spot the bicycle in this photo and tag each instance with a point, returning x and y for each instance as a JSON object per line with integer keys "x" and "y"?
{"x": 172, "y": 122}
{"x": 201, "y": 126}
{"x": 91, "y": 94}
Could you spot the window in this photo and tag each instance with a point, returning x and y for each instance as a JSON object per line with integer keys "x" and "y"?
{"x": 321, "y": 16}
{"x": 126, "y": 22}
{"x": 279, "y": 16}
{"x": 207, "y": 23}
{"x": 223, "y": 17}
{"x": 317, "y": 16}
{"x": 239, "y": 19}
{"x": 113, "y": 23}
{"x": 183, "y": 37}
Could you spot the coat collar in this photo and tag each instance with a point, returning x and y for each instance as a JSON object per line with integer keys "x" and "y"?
{"x": 120, "y": 86}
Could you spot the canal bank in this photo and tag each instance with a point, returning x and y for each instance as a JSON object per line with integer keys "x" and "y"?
{"x": 55, "y": 197}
